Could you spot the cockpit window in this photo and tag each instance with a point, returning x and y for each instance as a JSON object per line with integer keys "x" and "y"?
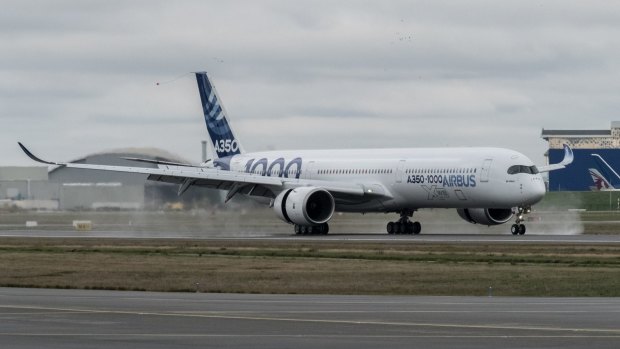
{"x": 522, "y": 169}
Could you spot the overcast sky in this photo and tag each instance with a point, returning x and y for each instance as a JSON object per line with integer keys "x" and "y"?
{"x": 78, "y": 77}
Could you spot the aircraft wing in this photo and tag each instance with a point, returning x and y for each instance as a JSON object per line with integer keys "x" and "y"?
{"x": 568, "y": 159}
{"x": 187, "y": 176}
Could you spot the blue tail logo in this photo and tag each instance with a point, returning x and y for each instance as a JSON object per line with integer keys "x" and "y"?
{"x": 224, "y": 141}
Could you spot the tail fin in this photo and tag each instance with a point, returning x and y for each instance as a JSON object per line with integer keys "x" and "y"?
{"x": 222, "y": 137}
{"x": 600, "y": 182}
{"x": 606, "y": 171}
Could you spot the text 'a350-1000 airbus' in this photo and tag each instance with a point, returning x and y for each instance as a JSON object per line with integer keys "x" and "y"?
{"x": 305, "y": 187}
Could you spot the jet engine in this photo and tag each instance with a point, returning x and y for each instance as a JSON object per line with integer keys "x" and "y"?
{"x": 304, "y": 206}
{"x": 486, "y": 216}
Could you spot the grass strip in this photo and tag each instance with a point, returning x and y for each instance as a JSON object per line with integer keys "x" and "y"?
{"x": 312, "y": 267}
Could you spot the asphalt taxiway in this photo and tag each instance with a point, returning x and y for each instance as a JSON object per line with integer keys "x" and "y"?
{"x": 35, "y": 318}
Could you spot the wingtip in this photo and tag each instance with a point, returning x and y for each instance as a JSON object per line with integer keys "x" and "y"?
{"x": 568, "y": 155}
{"x": 32, "y": 156}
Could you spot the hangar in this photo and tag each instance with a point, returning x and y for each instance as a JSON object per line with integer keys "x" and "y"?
{"x": 584, "y": 143}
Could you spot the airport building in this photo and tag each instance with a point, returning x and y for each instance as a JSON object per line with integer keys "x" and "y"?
{"x": 27, "y": 187}
{"x": 79, "y": 189}
{"x": 576, "y": 177}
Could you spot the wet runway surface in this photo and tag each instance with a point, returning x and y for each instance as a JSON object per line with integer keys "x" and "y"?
{"x": 35, "y": 318}
{"x": 473, "y": 238}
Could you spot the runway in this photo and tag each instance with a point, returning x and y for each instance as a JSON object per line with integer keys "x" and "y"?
{"x": 35, "y": 318}
{"x": 359, "y": 237}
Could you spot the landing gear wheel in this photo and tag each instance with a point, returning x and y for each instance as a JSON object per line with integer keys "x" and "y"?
{"x": 514, "y": 229}
{"x": 410, "y": 228}
{"x": 323, "y": 229}
{"x": 397, "y": 228}
{"x": 416, "y": 228}
{"x": 403, "y": 225}
{"x": 519, "y": 228}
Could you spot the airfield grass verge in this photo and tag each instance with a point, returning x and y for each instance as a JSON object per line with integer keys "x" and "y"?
{"x": 321, "y": 267}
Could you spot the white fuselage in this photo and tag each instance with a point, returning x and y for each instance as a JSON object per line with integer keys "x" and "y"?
{"x": 414, "y": 178}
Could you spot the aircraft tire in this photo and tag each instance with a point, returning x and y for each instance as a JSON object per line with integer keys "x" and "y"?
{"x": 325, "y": 229}
{"x": 416, "y": 228}
{"x": 514, "y": 229}
{"x": 390, "y": 228}
{"x": 409, "y": 228}
{"x": 404, "y": 228}
{"x": 396, "y": 228}
{"x": 521, "y": 229}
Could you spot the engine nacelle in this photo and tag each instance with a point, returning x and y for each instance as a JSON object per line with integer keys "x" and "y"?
{"x": 486, "y": 216}
{"x": 305, "y": 205}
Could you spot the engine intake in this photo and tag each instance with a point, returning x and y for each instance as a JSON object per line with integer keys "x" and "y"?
{"x": 486, "y": 216}
{"x": 305, "y": 206}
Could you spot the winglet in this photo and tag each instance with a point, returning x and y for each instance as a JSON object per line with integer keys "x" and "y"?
{"x": 33, "y": 157}
{"x": 568, "y": 159}
{"x": 568, "y": 156}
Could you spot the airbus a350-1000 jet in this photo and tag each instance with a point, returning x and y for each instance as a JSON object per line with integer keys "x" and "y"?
{"x": 305, "y": 187}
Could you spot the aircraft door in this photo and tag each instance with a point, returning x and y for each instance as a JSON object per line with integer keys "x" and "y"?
{"x": 400, "y": 171}
{"x": 486, "y": 167}
{"x": 310, "y": 169}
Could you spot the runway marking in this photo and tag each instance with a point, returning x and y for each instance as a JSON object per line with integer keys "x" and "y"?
{"x": 350, "y": 322}
{"x": 249, "y": 313}
{"x": 408, "y": 312}
{"x": 300, "y": 335}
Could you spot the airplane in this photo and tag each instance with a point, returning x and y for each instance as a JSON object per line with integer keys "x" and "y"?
{"x": 604, "y": 176}
{"x": 305, "y": 188}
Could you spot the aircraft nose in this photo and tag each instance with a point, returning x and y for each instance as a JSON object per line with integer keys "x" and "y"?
{"x": 537, "y": 189}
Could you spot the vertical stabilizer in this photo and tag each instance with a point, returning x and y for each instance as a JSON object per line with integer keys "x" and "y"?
{"x": 600, "y": 182}
{"x": 220, "y": 132}
{"x": 606, "y": 171}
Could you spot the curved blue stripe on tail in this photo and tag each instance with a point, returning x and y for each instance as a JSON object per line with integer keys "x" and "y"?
{"x": 224, "y": 141}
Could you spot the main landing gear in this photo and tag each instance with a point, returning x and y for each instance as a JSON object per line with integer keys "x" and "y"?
{"x": 519, "y": 228}
{"x": 403, "y": 225}
{"x": 321, "y": 229}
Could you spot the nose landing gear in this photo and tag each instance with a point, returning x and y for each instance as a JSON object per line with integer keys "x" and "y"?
{"x": 404, "y": 225}
{"x": 519, "y": 228}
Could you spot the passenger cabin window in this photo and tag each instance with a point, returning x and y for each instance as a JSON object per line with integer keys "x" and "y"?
{"x": 522, "y": 169}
